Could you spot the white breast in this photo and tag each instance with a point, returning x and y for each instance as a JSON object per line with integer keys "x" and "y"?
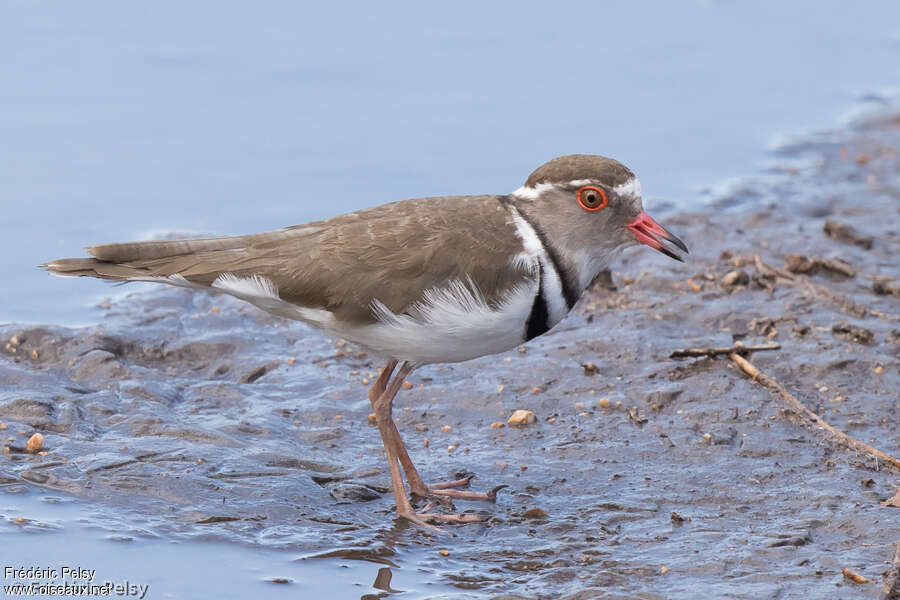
{"x": 450, "y": 324}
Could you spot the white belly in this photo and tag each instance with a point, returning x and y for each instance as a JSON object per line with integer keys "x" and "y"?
{"x": 450, "y": 324}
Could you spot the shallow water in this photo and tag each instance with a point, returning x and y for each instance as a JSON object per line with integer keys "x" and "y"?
{"x": 56, "y": 531}
{"x": 124, "y": 121}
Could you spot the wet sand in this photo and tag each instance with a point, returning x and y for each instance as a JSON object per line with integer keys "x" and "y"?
{"x": 197, "y": 419}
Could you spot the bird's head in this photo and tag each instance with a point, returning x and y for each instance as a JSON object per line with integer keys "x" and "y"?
{"x": 592, "y": 205}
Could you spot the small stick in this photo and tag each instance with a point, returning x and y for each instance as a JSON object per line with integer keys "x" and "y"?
{"x": 683, "y": 353}
{"x": 800, "y": 410}
{"x": 890, "y": 589}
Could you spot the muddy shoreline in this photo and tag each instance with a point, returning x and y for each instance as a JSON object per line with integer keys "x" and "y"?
{"x": 194, "y": 417}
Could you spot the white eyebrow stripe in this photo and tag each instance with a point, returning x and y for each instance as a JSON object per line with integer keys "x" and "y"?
{"x": 631, "y": 188}
{"x": 531, "y": 193}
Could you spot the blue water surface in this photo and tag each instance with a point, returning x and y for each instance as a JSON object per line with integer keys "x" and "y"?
{"x": 123, "y": 120}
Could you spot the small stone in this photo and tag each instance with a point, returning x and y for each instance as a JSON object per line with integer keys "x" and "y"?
{"x": 444, "y": 553}
{"x": 590, "y": 369}
{"x": 854, "y": 576}
{"x": 446, "y": 428}
{"x": 425, "y": 442}
{"x": 733, "y": 278}
{"x": 35, "y": 443}
{"x": 291, "y": 360}
{"x": 2, "y": 426}
{"x": 497, "y": 424}
{"x": 878, "y": 371}
{"x": 603, "y": 403}
{"x": 535, "y": 513}
{"x": 34, "y": 353}
{"x": 823, "y": 389}
{"x": 521, "y": 417}
{"x": 500, "y": 389}
{"x": 535, "y": 390}
{"x": 663, "y": 570}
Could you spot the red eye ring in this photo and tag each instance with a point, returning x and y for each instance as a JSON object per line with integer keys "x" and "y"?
{"x": 589, "y": 206}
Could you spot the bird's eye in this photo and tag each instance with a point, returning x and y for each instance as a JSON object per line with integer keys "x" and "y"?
{"x": 592, "y": 198}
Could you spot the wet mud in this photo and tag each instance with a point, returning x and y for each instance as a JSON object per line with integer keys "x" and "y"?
{"x": 197, "y": 418}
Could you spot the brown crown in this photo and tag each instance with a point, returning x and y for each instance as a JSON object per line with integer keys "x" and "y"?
{"x": 581, "y": 166}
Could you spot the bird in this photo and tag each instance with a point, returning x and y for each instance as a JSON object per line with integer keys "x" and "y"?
{"x": 420, "y": 281}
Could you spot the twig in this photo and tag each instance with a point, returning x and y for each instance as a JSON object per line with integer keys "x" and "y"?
{"x": 808, "y": 416}
{"x": 843, "y": 304}
{"x": 890, "y": 589}
{"x": 738, "y": 347}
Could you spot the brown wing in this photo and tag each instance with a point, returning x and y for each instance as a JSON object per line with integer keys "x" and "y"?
{"x": 391, "y": 253}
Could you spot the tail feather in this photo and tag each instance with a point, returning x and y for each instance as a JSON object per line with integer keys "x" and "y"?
{"x": 200, "y": 259}
{"x": 140, "y": 251}
{"x": 91, "y": 267}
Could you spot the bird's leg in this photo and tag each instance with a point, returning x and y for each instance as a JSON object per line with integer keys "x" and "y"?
{"x": 383, "y": 405}
{"x": 396, "y": 451}
{"x": 417, "y": 485}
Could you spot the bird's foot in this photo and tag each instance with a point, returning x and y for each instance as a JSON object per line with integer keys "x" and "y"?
{"x": 450, "y": 489}
{"x": 426, "y": 515}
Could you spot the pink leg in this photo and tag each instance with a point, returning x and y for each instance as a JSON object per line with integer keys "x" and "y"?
{"x": 382, "y": 395}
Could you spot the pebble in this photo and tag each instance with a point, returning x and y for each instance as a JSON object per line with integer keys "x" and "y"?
{"x": 444, "y": 553}
{"x": 603, "y": 403}
{"x": 446, "y": 428}
{"x": 35, "y": 443}
{"x": 735, "y": 278}
{"x": 497, "y": 424}
{"x": 522, "y": 417}
{"x": 535, "y": 513}
{"x": 663, "y": 570}
{"x": 854, "y": 576}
